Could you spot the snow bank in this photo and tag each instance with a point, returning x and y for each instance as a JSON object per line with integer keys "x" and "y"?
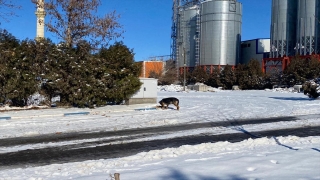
{"x": 219, "y": 155}
{"x": 170, "y": 88}
{"x": 178, "y": 88}
{"x": 282, "y": 90}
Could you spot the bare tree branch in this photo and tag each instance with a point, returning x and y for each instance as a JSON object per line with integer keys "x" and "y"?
{"x": 76, "y": 20}
{"x": 7, "y": 8}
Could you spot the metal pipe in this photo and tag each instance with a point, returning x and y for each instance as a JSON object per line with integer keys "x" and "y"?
{"x": 184, "y": 69}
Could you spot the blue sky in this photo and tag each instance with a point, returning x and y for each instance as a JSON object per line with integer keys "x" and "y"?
{"x": 147, "y": 23}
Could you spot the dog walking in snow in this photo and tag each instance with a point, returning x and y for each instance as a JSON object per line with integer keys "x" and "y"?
{"x": 165, "y": 102}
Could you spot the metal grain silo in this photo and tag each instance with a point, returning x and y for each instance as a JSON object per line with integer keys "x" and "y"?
{"x": 283, "y": 27}
{"x": 308, "y": 27}
{"x": 220, "y": 35}
{"x": 187, "y": 34}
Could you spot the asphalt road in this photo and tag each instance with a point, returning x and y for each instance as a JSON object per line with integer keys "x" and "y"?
{"x": 99, "y": 150}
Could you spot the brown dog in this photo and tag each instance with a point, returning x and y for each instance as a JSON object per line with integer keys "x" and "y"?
{"x": 165, "y": 102}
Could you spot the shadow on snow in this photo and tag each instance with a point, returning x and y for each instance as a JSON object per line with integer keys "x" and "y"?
{"x": 316, "y": 149}
{"x": 178, "y": 175}
{"x": 293, "y": 98}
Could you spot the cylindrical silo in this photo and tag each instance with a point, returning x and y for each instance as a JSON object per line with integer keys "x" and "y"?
{"x": 187, "y": 35}
{"x": 283, "y": 28}
{"x": 220, "y": 35}
{"x": 308, "y": 27}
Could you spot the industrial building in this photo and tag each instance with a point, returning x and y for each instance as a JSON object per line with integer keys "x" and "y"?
{"x": 187, "y": 37}
{"x": 295, "y": 27}
{"x": 220, "y": 32}
{"x": 295, "y": 30}
{"x": 148, "y": 67}
{"x": 206, "y": 33}
{"x": 256, "y": 49}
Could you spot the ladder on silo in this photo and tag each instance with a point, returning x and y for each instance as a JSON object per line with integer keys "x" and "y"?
{"x": 187, "y": 46}
{"x": 174, "y": 34}
{"x": 177, "y": 43}
{"x": 181, "y": 35}
{"x": 197, "y": 53}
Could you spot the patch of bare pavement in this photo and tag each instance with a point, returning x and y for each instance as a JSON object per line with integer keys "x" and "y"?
{"x": 105, "y": 149}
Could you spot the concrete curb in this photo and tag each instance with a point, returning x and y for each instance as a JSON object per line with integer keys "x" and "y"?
{"x": 45, "y": 115}
{"x": 76, "y": 113}
{"x": 145, "y": 109}
{"x": 5, "y": 117}
{"x": 13, "y": 116}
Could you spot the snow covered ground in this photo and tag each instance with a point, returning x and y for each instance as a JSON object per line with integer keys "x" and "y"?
{"x": 263, "y": 158}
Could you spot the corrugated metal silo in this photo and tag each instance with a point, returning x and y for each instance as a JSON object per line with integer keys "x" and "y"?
{"x": 283, "y": 27}
{"x": 308, "y": 27}
{"x": 220, "y": 35}
{"x": 186, "y": 36}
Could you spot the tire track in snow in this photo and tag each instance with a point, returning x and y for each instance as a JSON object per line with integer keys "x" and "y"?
{"x": 48, "y": 138}
{"x": 52, "y": 155}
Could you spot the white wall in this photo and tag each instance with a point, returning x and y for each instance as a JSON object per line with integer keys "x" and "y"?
{"x": 254, "y": 49}
{"x": 148, "y": 88}
{"x": 263, "y": 45}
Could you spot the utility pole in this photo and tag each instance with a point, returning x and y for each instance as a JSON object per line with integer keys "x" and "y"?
{"x": 184, "y": 69}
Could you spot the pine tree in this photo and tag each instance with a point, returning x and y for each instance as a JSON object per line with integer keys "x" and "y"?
{"x": 121, "y": 73}
{"x": 271, "y": 79}
{"x": 69, "y": 74}
{"x": 313, "y": 70}
{"x": 250, "y": 76}
{"x": 8, "y": 44}
{"x": 18, "y": 80}
{"x": 228, "y": 77}
{"x": 255, "y": 74}
{"x": 301, "y": 69}
{"x": 214, "y": 79}
{"x": 241, "y": 74}
{"x": 199, "y": 75}
{"x": 25, "y": 79}
{"x": 296, "y": 72}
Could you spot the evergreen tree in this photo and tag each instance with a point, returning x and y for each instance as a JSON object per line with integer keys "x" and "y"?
{"x": 256, "y": 74}
{"x": 313, "y": 69}
{"x": 121, "y": 75}
{"x": 299, "y": 70}
{"x": 271, "y": 79}
{"x": 198, "y": 75}
{"x": 8, "y": 45}
{"x": 43, "y": 66}
{"x": 250, "y": 76}
{"x": 18, "y": 80}
{"x": 25, "y": 81}
{"x": 228, "y": 77}
{"x": 69, "y": 74}
{"x": 241, "y": 74}
{"x": 55, "y": 75}
{"x": 296, "y": 72}
{"x": 82, "y": 79}
{"x": 214, "y": 79}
